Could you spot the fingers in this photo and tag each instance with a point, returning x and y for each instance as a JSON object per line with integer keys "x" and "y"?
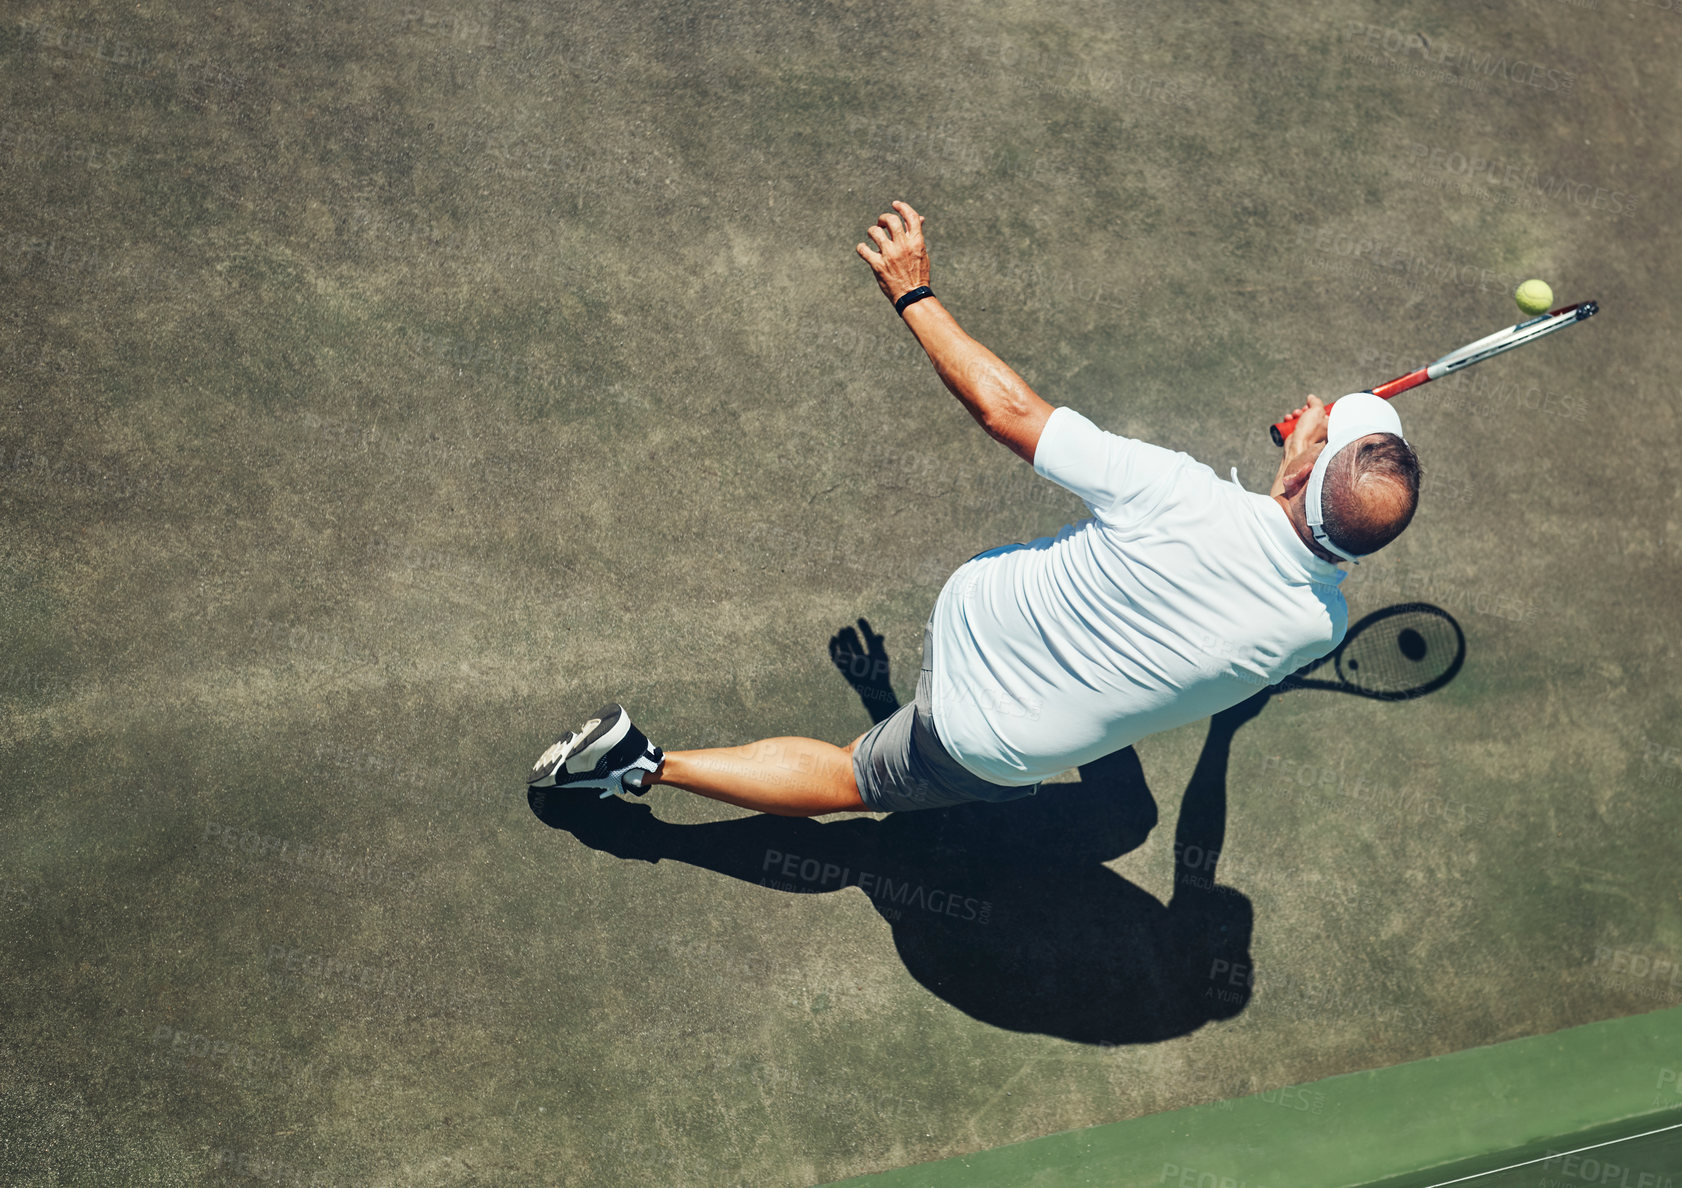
{"x": 870, "y": 257}
{"x": 1310, "y": 403}
{"x": 899, "y": 225}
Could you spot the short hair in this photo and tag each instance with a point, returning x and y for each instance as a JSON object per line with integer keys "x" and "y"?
{"x": 1370, "y": 493}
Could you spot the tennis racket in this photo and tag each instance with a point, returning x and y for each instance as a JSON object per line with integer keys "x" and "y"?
{"x": 1472, "y": 352}
{"x": 1400, "y": 652}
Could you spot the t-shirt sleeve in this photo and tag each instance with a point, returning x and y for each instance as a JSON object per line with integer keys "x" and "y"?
{"x": 1327, "y": 626}
{"x": 1114, "y": 475}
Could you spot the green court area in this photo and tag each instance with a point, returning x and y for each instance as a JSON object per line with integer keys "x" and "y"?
{"x": 385, "y": 387}
{"x": 1543, "y": 1112}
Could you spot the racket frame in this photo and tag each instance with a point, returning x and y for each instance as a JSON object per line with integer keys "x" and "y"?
{"x": 1486, "y": 347}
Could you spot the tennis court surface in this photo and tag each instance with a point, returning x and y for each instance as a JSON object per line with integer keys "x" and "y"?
{"x": 383, "y": 388}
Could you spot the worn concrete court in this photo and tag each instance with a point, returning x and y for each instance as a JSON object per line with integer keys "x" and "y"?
{"x": 385, "y": 387}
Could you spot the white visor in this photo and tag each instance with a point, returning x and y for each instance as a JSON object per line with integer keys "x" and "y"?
{"x": 1349, "y": 419}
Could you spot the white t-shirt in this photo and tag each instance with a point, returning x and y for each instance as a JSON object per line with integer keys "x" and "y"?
{"x": 1184, "y": 595}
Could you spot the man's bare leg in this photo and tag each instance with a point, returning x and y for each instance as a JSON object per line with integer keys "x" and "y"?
{"x": 791, "y": 777}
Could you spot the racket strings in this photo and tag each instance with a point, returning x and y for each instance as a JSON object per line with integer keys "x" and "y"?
{"x": 1401, "y": 655}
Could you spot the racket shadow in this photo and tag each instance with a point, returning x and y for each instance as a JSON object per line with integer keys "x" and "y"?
{"x": 1396, "y": 653}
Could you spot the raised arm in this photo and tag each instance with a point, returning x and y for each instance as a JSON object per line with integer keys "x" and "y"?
{"x": 995, "y": 395}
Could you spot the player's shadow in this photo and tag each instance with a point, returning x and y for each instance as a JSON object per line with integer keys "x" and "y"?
{"x": 1006, "y": 911}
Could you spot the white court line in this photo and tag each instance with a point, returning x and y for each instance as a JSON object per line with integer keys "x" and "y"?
{"x": 1558, "y": 1155}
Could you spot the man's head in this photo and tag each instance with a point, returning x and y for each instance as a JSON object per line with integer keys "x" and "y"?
{"x": 1370, "y": 493}
{"x": 1357, "y": 493}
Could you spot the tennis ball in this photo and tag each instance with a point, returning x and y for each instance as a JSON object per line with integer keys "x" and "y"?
{"x": 1534, "y": 297}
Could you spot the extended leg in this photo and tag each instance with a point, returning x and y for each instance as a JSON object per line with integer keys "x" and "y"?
{"x": 791, "y": 777}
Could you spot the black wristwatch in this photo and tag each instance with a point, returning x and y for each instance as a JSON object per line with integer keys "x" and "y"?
{"x": 911, "y": 298}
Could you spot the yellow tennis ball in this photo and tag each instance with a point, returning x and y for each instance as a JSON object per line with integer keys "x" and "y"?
{"x": 1534, "y": 297}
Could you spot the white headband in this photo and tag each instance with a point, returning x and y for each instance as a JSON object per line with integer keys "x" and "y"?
{"x": 1349, "y": 419}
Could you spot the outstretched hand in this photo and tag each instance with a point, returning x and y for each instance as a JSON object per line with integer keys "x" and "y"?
{"x": 902, "y": 261}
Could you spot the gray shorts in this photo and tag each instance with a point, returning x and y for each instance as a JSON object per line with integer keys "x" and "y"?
{"x": 900, "y": 764}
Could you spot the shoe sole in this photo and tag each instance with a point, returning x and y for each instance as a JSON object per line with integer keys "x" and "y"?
{"x": 584, "y": 751}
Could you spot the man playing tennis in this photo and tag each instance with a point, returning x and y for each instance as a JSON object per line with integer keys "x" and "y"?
{"x": 1182, "y": 595}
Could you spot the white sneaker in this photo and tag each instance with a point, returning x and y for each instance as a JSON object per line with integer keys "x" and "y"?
{"x": 607, "y": 754}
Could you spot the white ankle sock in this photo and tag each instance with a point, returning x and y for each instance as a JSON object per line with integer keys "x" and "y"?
{"x": 643, "y": 767}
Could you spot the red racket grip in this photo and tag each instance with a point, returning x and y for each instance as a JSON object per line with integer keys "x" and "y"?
{"x": 1412, "y": 379}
